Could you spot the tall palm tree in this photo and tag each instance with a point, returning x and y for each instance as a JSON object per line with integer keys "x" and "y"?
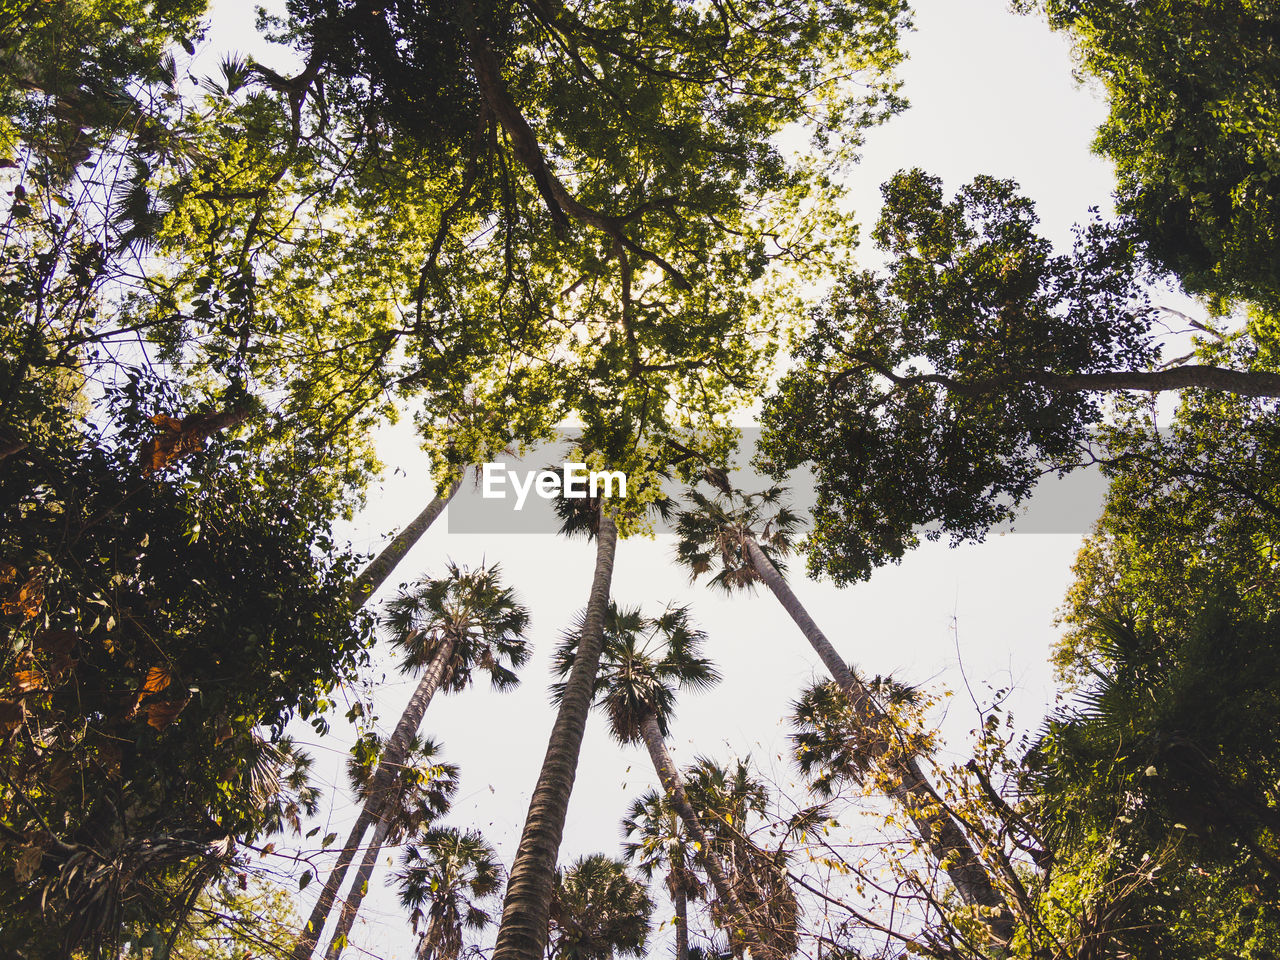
{"x": 446, "y": 880}
{"x": 598, "y": 911}
{"x": 448, "y": 628}
{"x": 420, "y": 794}
{"x": 526, "y": 911}
{"x": 655, "y": 842}
{"x": 644, "y": 661}
{"x": 747, "y": 537}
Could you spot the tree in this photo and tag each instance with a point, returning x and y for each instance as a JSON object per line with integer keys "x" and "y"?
{"x": 136, "y": 759}
{"x": 935, "y": 395}
{"x": 1191, "y": 87}
{"x": 736, "y": 532}
{"x": 1192, "y": 514}
{"x": 446, "y": 878}
{"x": 598, "y": 911}
{"x": 421, "y": 792}
{"x": 730, "y": 799}
{"x": 643, "y": 662}
{"x": 1137, "y": 757}
{"x": 526, "y": 910}
{"x": 449, "y": 628}
{"x": 232, "y": 918}
{"x": 655, "y": 840}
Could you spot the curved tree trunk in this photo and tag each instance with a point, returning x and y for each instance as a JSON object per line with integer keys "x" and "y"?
{"x": 380, "y": 567}
{"x": 946, "y": 841}
{"x": 393, "y": 756}
{"x": 675, "y": 791}
{"x": 526, "y": 910}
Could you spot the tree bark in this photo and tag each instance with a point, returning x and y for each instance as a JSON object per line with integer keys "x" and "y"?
{"x": 356, "y": 895}
{"x": 670, "y": 778}
{"x": 946, "y": 841}
{"x": 680, "y": 898}
{"x": 381, "y": 566}
{"x": 526, "y": 910}
{"x": 1245, "y": 383}
{"x": 393, "y": 756}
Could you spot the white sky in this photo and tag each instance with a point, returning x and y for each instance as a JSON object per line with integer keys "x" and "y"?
{"x": 991, "y": 93}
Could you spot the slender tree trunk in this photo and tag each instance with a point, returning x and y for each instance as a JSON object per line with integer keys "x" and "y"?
{"x": 393, "y": 756}
{"x": 937, "y": 828}
{"x": 670, "y": 778}
{"x": 381, "y": 566}
{"x": 680, "y": 898}
{"x": 526, "y": 910}
{"x": 359, "y": 887}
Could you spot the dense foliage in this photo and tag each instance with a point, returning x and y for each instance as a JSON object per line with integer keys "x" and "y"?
{"x": 503, "y": 216}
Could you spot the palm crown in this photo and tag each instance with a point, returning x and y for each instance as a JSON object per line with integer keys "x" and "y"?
{"x": 424, "y": 786}
{"x": 714, "y": 531}
{"x": 654, "y": 841}
{"x": 470, "y": 609}
{"x": 645, "y": 660}
{"x": 446, "y": 879}
{"x": 598, "y": 911}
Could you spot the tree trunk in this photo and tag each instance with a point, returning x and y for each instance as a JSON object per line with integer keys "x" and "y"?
{"x": 526, "y": 910}
{"x": 355, "y": 896}
{"x": 1245, "y": 383}
{"x": 941, "y": 833}
{"x": 680, "y": 898}
{"x": 393, "y": 756}
{"x": 670, "y": 778}
{"x": 380, "y": 567}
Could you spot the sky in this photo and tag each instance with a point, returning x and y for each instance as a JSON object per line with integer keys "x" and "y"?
{"x": 991, "y": 92}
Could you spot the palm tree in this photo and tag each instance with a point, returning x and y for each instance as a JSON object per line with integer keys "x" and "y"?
{"x": 730, "y": 797}
{"x": 526, "y": 910}
{"x": 451, "y": 626}
{"x": 446, "y": 879}
{"x": 644, "y": 661}
{"x": 380, "y": 567}
{"x": 598, "y": 911}
{"x": 419, "y": 795}
{"x": 747, "y": 537}
{"x": 654, "y": 842}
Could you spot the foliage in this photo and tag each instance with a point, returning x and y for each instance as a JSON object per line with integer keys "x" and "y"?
{"x": 1191, "y": 515}
{"x": 644, "y": 661}
{"x": 161, "y": 628}
{"x": 446, "y": 880}
{"x": 423, "y": 785}
{"x": 655, "y": 842}
{"x": 713, "y": 531}
{"x": 827, "y": 744}
{"x": 918, "y": 400}
{"x": 598, "y": 911}
{"x": 1192, "y": 87}
{"x": 1140, "y": 758}
{"x": 232, "y": 919}
{"x": 69, "y": 69}
{"x": 471, "y": 610}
